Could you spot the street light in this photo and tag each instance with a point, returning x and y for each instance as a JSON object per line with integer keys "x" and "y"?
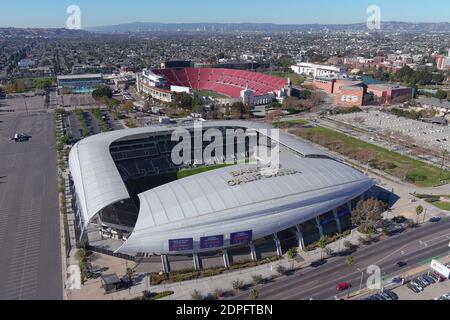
{"x": 362, "y": 278}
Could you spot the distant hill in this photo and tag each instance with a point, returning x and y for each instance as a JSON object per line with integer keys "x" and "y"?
{"x": 269, "y": 27}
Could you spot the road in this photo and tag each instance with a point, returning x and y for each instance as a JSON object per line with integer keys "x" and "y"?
{"x": 414, "y": 247}
{"x": 30, "y": 244}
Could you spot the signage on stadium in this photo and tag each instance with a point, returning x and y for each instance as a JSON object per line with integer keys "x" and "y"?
{"x": 257, "y": 173}
{"x": 211, "y": 242}
{"x": 242, "y": 237}
{"x": 181, "y": 245}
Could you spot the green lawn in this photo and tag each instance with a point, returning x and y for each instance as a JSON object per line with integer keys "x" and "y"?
{"x": 289, "y": 123}
{"x": 442, "y": 205}
{"x": 191, "y": 172}
{"x": 208, "y": 93}
{"x": 296, "y": 79}
{"x": 405, "y": 168}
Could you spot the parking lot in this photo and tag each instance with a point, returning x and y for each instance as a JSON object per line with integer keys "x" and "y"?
{"x": 430, "y": 292}
{"x": 30, "y": 243}
{"x": 426, "y": 134}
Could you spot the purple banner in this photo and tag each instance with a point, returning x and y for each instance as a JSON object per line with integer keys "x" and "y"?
{"x": 181, "y": 245}
{"x": 211, "y": 242}
{"x": 242, "y": 237}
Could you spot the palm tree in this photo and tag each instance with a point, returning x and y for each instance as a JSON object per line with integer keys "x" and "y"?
{"x": 292, "y": 254}
{"x": 323, "y": 243}
{"x": 254, "y": 294}
{"x": 350, "y": 261}
{"x": 419, "y": 211}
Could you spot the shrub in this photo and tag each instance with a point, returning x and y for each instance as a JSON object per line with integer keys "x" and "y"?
{"x": 281, "y": 270}
{"x": 237, "y": 285}
{"x": 257, "y": 279}
{"x": 156, "y": 278}
{"x": 217, "y": 294}
{"x": 196, "y": 295}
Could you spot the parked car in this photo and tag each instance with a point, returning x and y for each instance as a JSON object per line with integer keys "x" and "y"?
{"x": 413, "y": 288}
{"x": 429, "y": 278}
{"x": 386, "y": 296}
{"x": 391, "y": 294}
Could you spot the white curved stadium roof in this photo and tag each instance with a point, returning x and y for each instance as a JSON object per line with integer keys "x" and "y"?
{"x": 205, "y": 204}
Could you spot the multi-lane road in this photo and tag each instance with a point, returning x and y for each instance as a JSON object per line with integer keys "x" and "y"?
{"x": 30, "y": 244}
{"x": 414, "y": 247}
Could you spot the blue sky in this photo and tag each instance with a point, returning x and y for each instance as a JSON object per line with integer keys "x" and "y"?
{"x": 52, "y": 13}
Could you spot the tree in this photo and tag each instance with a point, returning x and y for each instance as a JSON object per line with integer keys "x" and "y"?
{"x": 2, "y": 93}
{"x": 368, "y": 214}
{"x": 254, "y": 294}
{"x": 437, "y": 78}
{"x": 323, "y": 243}
{"x": 183, "y": 100}
{"x": 238, "y": 110}
{"x": 350, "y": 261}
{"x": 101, "y": 92}
{"x": 441, "y": 94}
{"x": 292, "y": 254}
{"x": 419, "y": 211}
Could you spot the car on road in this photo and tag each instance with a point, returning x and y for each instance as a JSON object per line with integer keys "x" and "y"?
{"x": 397, "y": 280}
{"x": 343, "y": 286}
{"x": 435, "y": 219}
{"x": 401, "y": 264}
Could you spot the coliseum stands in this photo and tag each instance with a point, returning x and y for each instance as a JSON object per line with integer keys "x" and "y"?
{"x": 227, "y": 82}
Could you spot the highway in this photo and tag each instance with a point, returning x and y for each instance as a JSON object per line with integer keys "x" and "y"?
{"x": 414, "y": 247}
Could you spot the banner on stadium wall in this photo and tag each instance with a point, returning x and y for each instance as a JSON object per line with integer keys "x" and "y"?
{"x": 242, "y": 237}
{"x": 177, "y": 245}
{"x": 211, "y": 242}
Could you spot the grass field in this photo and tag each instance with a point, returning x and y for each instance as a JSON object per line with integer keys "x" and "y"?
{"x": 405, "y": 168}
{"x": 191, "y": 172}
{"x": 442, "y": 205}
{"x": 208, "y": 93}
{"x": 296, "y": 79}
{"x": 435, "y": 200}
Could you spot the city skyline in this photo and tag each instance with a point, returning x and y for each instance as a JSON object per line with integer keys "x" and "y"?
{"x": 52, "y": 14}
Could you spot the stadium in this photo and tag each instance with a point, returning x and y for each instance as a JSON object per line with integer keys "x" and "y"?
{"x": 255, "y": 88}
{"x": 132, "y": 199}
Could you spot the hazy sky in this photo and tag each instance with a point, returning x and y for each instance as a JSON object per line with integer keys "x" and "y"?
{"x": 52, "y": 13}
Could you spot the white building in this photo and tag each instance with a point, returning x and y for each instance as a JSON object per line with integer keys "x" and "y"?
{"x": 317, "y": 70}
